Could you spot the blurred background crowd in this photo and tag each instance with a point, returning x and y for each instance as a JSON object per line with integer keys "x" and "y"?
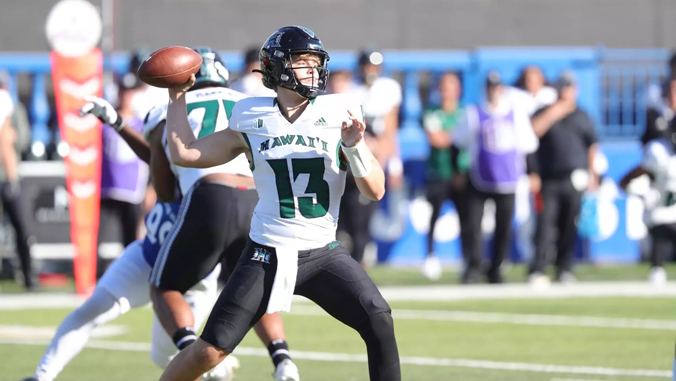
{"x": 492, "y": 155}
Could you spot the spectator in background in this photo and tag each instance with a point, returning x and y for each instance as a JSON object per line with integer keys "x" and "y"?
{"x": 19, "y": 119}
{"x": 250, "y": 83}
{"x": 446, "y": 172}
{"x": 355, "y": 210}
{"x": 497, "y": 136}
{"x": 656, "y": 91}
{"x": 532, "y": 90}
{"x": 10, "y": 189}
{"x": 340, "y": 82}
{"x": 531, "y": 93}
{"x": 660, "y": 114}
{"x": 564, "y": 162}
{"x": 145, "y": 97}
{"x": 124, "y": 176}
{"x": 380, "y": 98}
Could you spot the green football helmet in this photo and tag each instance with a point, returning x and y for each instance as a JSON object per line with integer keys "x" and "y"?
{"x": 213, "y": 71}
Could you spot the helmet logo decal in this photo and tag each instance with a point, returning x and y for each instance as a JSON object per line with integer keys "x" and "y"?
{"x": 275, "y": 40}
{"x": 307, "y": 31}
{"x": 222, "y": 71}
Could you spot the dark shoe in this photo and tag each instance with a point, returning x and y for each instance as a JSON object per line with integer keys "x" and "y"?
{"x": 494, "y": 276}
{"x": 471, "y": 276}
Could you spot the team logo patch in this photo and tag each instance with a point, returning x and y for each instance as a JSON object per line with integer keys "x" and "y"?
{"x": 258, "y": 123}
{"x": 307, "y": 31}
{"x": 261, "y": 255}
{"x": 275, "y": 40}
{"x": 321, "y": 122}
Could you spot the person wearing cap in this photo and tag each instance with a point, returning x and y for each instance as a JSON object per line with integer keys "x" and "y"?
{"x": 564, "y": 163}
{"x": 355, "y": 210}
{"x": 251, "y": 82}
{"x": 124, "y": 177}
{"x": 498, "y": 136}
{"x": 380, "y": 98}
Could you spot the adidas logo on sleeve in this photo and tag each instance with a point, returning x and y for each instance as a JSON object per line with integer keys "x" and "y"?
{"x": 320, "y": 122}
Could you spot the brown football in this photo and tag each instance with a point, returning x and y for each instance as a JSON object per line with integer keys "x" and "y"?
{"x": 169, "y": 67}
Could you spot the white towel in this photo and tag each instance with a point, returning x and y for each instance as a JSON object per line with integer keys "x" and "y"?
{"x": 285, "y": 280}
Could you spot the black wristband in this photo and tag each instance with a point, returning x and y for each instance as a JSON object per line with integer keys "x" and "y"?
{"x": 118, "y": 125}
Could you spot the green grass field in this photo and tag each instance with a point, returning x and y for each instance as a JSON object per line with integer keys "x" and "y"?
{"x": 491, "y": 333}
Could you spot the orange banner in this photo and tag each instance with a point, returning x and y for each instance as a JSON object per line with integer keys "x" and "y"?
{"x": 74, "y": 78}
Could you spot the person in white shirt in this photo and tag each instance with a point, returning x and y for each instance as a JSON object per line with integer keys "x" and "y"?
{"x": 498, "y": 136}
{"x": 381, "y": 98}
{"x": 355, "y": 209}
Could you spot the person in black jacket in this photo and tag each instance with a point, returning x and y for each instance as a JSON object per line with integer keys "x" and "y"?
{"x": 564, "y": 161}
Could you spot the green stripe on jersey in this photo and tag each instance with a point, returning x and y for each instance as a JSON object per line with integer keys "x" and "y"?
{"x": 252, "y": 166}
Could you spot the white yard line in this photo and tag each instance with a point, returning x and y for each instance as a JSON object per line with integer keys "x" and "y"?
{"x": 509, "y": 318}
{"x": 575, "y": 379}
{"x": 16, "y": 331}
{"x": 414, "y": 293}
{"x": 524, "y": 291}
{"x": 406, "y": 360}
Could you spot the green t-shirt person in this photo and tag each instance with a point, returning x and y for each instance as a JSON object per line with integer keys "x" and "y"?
{"x": 439, "y": 163}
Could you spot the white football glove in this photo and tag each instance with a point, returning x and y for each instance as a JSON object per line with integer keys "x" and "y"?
{"x": 103, "y": 110}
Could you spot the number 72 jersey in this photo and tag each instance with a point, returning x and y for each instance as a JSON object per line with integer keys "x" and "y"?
{"x": 297, "y": 169}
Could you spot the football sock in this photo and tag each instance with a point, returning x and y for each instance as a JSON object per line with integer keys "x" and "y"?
{"x": 279, "y": 351}
{"x": 184, "y": 337}
{"x": 74, "y": 332}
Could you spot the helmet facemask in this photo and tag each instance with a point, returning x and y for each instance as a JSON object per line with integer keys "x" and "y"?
{"x": 280, "y": 67}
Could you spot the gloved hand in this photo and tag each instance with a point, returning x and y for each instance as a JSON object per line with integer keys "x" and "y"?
{"x": 103, "y": 110}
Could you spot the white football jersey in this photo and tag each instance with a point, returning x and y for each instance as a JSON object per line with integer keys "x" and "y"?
{"x": 208, "y": 111}
{"x": 296, "y": 167}
{"x": 659, "y": 159}
{"x": 378, "y": 100}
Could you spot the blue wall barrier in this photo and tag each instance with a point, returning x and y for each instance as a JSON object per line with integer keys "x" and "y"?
{"x": 615, "y": 87}
{"x": 614, "y": 83}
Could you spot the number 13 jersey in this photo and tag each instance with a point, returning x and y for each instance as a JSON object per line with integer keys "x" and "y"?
{"x": 297, "y": 169}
